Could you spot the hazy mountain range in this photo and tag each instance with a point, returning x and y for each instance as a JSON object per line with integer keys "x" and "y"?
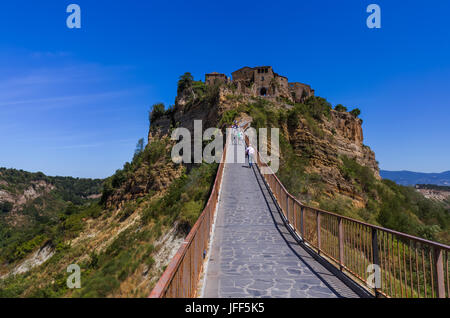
{"x": 412, "y": 178}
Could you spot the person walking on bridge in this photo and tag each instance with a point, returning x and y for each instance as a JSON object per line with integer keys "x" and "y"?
{"x": 234, "y": 133}
{"x": 250, "y": 151}
{"x": 239, "y": 137}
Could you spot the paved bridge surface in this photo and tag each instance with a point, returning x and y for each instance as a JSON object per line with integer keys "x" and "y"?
{"x": 252, "y": 252}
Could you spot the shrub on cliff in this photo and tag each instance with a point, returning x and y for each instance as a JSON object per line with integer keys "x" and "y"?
{"x": 355, "y": 112}
{"x": 195, "y": 89}
{"x": 184, "y": 199}
{"x": 5, "y": 207}
{"x": 185, "y": 81}
{"x": 340, "y": 108}
{"x": 152, "y": 153}
{"x": 318, "y": 107}
{"x": 157, "y": 111}
{"x": 362, "y": 175}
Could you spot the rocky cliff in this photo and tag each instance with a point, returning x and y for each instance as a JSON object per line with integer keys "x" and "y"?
{"x": 339, "y": 135}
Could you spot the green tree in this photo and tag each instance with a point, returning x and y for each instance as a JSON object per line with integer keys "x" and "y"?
{"x": 340, "y": 108}
{"x": 139, "y": 147}
{"x": 355, "y": 112}
{"x": 186, "y": 80}
{"x": 318, "y": 107}
{"x": 156, "y": 112}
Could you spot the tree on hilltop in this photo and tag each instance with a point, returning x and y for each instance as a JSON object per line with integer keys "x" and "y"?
{"x": 355, "y": 112}
{"x": 340, "y": 108}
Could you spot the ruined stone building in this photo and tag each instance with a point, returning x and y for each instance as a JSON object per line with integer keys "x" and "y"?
{"x": 216, "y": 78}
{"x": 262, "y": 81}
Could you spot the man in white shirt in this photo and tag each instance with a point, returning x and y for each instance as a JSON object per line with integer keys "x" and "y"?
{"x": 250, "y": 153}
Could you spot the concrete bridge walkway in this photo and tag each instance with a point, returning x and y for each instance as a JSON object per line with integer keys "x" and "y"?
{"x": 252, "y": 252}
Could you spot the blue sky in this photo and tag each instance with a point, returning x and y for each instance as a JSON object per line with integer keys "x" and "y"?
{"x": 75, "y": 102}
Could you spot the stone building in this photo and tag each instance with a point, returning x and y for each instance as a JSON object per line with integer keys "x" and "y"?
{"x": 300, "y": 91}
{"x": 216, "y": 78}
{"x": 263, "y": 81}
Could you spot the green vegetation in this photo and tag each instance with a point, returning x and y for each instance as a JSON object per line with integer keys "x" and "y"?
{"x": 139, "y": 147}
{"x": 182, "y": 203}
{"x": 197, "y": 91}
{"x": 340, "y": 108}
{"x": 17, "y": 242}
{"x": 433, "y": 187}
{"x": 104, "y": 272}
{"x": 71, "y": 189}
{"x": 152, "y": 153}
{"x": 355, "y": 112}
{"x": 185, "y": 198}
{"x": 5, "y": 207}
{"x": 158, "y": 110}
{"x": 53, "y": 216}
{"x": 396, "y": 207}
{"x": 185, "y": 82}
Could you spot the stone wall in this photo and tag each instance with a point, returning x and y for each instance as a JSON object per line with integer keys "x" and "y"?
{"x": 263, "y": 81}
{"x": 300, "y": 91}
{"x": 215, "y": 78}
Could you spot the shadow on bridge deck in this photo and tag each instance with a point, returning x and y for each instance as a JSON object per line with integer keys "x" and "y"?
{"x": 253, "y": 254}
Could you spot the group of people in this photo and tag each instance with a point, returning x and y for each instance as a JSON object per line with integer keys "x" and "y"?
{"x": 238, "y": 138}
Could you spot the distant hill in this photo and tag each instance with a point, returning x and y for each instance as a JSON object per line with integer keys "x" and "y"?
{"x": 412, "y": 178}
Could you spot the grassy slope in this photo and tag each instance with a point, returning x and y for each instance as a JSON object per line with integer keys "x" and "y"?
{"x": 116, "y": 247}
{"x": 42, "y": 216}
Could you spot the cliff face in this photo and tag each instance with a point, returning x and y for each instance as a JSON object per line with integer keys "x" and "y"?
{"x": 341, "y": 135}
{"x": 186, "y": 110}
{"x": 149, "y": 176}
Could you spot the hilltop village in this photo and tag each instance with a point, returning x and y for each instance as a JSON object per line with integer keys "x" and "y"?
{"x": 262, "y": 81}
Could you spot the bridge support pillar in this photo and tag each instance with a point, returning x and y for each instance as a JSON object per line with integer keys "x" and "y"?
{"x": 341, "y": 243}
{"x": 302, "y": 223}
{"x": 287, "y": 208}
{"x": 439, "y": 270}
{"x": 319, "y": 245}
{"x": 376, "y": 257}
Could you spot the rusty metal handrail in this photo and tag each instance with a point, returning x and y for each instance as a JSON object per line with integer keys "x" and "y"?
{"x": 409, "y": 266}
{"x": 181, "y": 277}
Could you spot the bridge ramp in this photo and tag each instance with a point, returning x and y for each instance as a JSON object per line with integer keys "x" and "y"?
{"x": 252, "y": 252}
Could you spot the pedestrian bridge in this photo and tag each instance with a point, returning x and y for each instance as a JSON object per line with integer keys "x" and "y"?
{"x": 254, "y": 239}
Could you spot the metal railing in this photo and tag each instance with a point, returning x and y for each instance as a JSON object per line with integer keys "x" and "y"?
{"x": 181, "y": 277}
{"x": 408, "y": 266}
